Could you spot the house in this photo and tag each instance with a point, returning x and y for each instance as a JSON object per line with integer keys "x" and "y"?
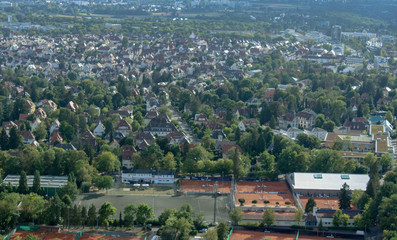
{"x": 177, "y": 137}
{"x": 149, "y": 116}
{"x": 292, "y": 132}
{"x": 35, "y": 124}
{"x": 40, "y": 113}
{"x": 123, "y": 128}
{"x": 55, "y": 136}
{"x": 47, "y": 104}
{"x": 124, "y": 112}
{"x": 99, "y": 130}
{"x": 287, "y": 121}
{"x": 67, "y": 146}
{"x": 327, "y": 216}
{"x": 144, "y": 137}
{"x": 147, "y": 176}
{"x": 31, "y": 107}
{"x": 87, "y": 138}
{"x": 218, "y": 134}
{"x": 160, "y": 127}
{"x": 55, "y": 126}
{"x": 226, "y": 148}
{"x": 320, "y": 133}
{"x": 8, "y": 125}
{"x": 72, "y": 106}
{"x": 306, "y": 118}
{"x": 28, "y": 137}
{"x": 126, "y": 158}
{"x": 200, "y": 118}
{"x": 246, "y": 123}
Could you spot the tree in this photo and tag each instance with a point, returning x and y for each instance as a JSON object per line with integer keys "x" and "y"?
{"x": 273, "y": 122}
{"x": 4, "y": 142}
{"x": 92, "y": 216}
{"x": 31, "y": 207}
{"x": 386, "y": 161}
{"x": 236, "y": 215}
{"x": 8, "y": 215}
{"x": 23, "y": 183}
{"x": 15, "y": 140}
{"x": 176, "y": 228}
{"x": 329, "y": 126}
{"x": 310, "y": 205}
{"x": 36, "y": 182}
{"x": 308, "y": 141}
{"x": 105, "y": 211}
{"x": 268, "y": 217}
{"x": 241, "y": 201}
{"x": 222, "y": 230}
{"x": 52, "y": 214}
{"x": 337, "y": 220}
{"x": 388, "y": 213}
{"x": 345, "y": 220}
{"x": 129, "y": 214}
{"x": 107, "y": 162}
{"x": 327, "y": 161}
{"x": 70, "y": 190}
{"x": 84, "y": 216}
{"x": 344, "y": 197}
{"x": 299, "y": 216}
{"x": 169, "y": 162}
{"x": 103, "y": 182}
{"x": 293, "y": 159}
{"x": 143, "y": 213}
{"x": 211, "y": 235}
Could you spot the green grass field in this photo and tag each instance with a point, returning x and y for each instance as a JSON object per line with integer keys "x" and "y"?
{"x": 200, "y": 203}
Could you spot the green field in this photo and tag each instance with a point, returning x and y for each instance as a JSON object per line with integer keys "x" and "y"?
{"x": 199, "y": 203}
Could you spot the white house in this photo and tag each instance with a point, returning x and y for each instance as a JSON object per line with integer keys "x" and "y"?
{"x": 99, "y": 130}
{"x": 147, "y": 176}
{"x": 320, "y": 133}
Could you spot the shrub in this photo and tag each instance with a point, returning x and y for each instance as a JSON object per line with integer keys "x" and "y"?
{"x": 241, "y": 201}
{"x": 277, "y": 203}
{"x": 254, "y": 201}
{"x": 288, "y": 202}
{"x": 266, "y": 202}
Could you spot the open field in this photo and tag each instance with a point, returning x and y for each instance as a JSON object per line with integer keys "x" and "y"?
{"x": 199, "y": 203}
{"x": 153, "y": 190}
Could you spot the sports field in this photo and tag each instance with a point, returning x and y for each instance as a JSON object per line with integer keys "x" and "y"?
{"x": 324, "y": 202}
{"x": 272, "y": 191}
{"x": 199, "y": 203}
{"x": 205, "y": 186}
{"x": 251, "y": 235}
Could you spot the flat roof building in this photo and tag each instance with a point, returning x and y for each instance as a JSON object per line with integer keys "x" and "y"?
{"x": 325, "y": 184}
{"x": 50, "y": 184}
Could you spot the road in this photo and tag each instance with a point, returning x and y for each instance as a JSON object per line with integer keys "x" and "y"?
{"x": 182, "y": 123}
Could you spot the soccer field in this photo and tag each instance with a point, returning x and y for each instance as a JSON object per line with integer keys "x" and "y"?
{"x": 199, "y": 203}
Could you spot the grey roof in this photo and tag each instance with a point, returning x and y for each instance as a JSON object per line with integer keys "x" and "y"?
{"x": 45, "y": 181}
{"x": 328, "y": 181}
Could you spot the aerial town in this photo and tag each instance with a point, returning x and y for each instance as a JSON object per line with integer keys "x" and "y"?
{"x": 198, "y": 119}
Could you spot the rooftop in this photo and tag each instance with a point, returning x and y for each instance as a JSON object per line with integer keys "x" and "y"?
{"x": 328, "y": 181}
{"x": 45, "y": 181}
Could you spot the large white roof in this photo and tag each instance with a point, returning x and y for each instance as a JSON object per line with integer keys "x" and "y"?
{"x": 328, "y": 181}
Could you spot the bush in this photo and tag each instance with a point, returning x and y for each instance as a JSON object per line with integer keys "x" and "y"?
{"x": 266, "y": 202}
{"x": 241, "y": 201}
{"x": 254, "y": 201}
{"x": 288, "y": 202}
{"x": 277, "y": 203}
{"x": 85, "y": 187}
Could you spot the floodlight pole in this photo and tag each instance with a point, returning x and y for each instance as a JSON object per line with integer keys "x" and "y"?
{"x": 216, "y": 193}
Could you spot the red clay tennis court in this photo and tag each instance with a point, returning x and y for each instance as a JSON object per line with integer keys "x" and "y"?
{"x": 251, "y": 235}
{"x": 205, "y": 186}
{"x": 324, "y": 203}
{"x": 85, "y": 236}
{"x": 24, "y": 234}
{"x": 260, "y": 191}
{"x": 62, "y": 236}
